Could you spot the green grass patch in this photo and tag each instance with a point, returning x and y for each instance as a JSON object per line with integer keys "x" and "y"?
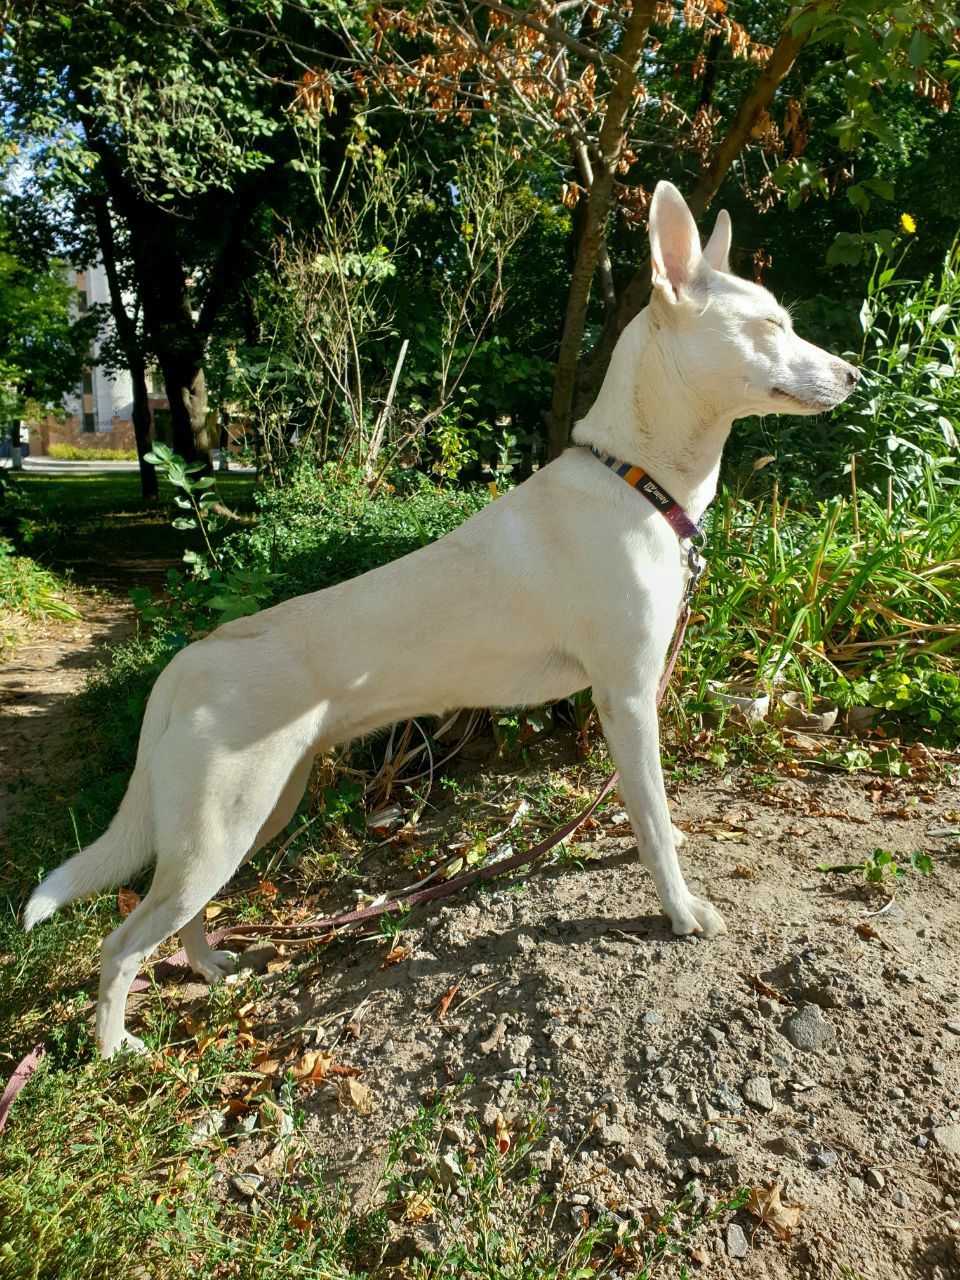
{"x": 26, "y": 587}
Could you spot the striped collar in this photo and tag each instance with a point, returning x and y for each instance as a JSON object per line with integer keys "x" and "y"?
{"x": 683, "y": 525}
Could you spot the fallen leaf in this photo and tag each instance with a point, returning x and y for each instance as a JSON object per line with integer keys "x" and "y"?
{"x": 312, "y": 1066}
{"x": 503, "y": 1135}
{"x": 763, "y": 989}
{"x": 212, "y": 910}
{"x": 446, "y": 1000}
{"x": 393, "y": 957}
{"x": 782, "y": 1219}
{"x": 418, "y": 1206}
{"x": 865, "y": 930}
{"x": 127, "y": 900}
{"x": 357, "y": 1096}
{"x": 745, "y": 873}
{"x": 268, "y": 1065}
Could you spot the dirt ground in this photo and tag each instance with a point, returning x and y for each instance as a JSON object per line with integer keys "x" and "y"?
{"x": 816, "y": 1046}
{"x": 43, "y": 664}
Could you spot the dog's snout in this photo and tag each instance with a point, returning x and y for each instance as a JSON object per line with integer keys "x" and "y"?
{"x": 850, "y": 375}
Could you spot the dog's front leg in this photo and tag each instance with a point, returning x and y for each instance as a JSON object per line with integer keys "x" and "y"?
{"x": 632, "y": 731}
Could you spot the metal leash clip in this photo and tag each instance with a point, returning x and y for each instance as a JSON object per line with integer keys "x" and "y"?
{"x": 695, "y": 563}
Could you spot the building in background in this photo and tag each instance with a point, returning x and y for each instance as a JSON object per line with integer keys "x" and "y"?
{"x": 99, "y": 413}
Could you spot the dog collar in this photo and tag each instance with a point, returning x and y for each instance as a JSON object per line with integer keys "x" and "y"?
{"x": 683, "y": 526}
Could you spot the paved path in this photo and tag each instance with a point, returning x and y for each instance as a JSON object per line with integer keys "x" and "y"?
{"x": 55, "y": 466}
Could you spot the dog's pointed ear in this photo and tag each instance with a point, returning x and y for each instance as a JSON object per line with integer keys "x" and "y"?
{"x": 674, "y": 242}
{"x": 716, "y": 252}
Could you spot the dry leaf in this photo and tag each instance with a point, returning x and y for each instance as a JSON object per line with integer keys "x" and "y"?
{"x": 763, "y": 989}
{"x": 782, "y": 1219}
{"x": 503, "y": 1136}
{"x": 212, "y": 910}
{"x": 127, "y": 900}
{"x": 865, "y": 930}
{"x": 393, "y": 957}
{"x": 446, "y": 1000}
{"x": 745, "y": 873}
{"x": 268, "y": 1065}
{"x": 418, "y": 1206}
{"x": 358, "y": 1097}
{"x": 312, "y": 1066}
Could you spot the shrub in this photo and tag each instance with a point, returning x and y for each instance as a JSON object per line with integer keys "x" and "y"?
{"x": 79, "y": 453}
{"x": 320, "y": 528}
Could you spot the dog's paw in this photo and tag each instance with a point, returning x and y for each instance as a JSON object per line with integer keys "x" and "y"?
{"x": 700, "y": 917}
{"x": 679, "y": 837}
{"x": 214, "y": 966}
{"x": 128, "y": 1043}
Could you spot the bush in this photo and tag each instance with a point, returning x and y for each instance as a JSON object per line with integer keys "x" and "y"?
{"x": 320, "y": 528}
{"x": 77, "y": 453}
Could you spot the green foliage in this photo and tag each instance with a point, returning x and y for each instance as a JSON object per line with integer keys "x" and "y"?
{"x": 223, "y": 594}
{"x": 319, "y": 527}
{"x": 905, "y": 418}
{"x": 806, "y": 596}
{"x": 77, "y": 453}
{"x": 881, "y": 867}
{"x": 28, "y": 588}
{"x": 43, "y": 343}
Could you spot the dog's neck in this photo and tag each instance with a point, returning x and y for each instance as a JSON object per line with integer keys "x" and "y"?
{"x": 650, "y": 413}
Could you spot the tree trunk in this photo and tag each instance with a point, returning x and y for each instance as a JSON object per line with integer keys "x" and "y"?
{"x": 132, "y": 349}
{"x": 634, "y": 297}
{"x": 173, "y": 333}
{"x": 186, "y": 389}
{"x": 609, "y": 145}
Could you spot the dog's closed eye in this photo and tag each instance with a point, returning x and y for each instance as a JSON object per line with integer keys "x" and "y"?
{"x": 774, "y": 320}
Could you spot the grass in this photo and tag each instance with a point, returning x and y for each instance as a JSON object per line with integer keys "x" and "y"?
{"x": 27, "y": 588}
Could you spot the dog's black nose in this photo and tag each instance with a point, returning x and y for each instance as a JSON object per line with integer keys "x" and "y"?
{"x": 852, "y": 375}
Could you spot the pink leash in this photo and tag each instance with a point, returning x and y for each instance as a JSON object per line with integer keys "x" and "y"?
{"x": 178, "y": 961}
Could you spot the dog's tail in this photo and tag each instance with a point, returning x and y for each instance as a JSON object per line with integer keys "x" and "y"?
{"x": 127, "y": 845}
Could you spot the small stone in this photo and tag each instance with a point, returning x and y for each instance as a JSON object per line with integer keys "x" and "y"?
{"x": 691, "y": 1097}
{"x": 900, "y": 1199}
{"x": 448, "y": 1170}
{"x": 257, "y": 957}
{"x": 632, "y": 1158}
{"x": 952, "y": 1024}
{"x": 857, "y": 1186}
{"x": 716, "y": 1037}
{"x": 826, "y": 1158}
{"x": 518, "y": 1050}
{"x": 616, "y": 1135}
{"x": 947, "y": 1138}
{"x": 727, "y": 1100}
{"x": 737, "y": 1246}
{"x": 874, "y": 1178}
{"x": 756, "y": 1090}
{"x": 809, "y": 1030}
{"x": 248, "y": 1184}
{"x": 650, "y": 1017}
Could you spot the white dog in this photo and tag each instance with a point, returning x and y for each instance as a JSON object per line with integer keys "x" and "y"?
{"x": 572, "y": 579}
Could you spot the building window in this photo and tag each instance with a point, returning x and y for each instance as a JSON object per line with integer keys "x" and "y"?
{"x": 82, "y": 299}
{"x": 89, "y": 423}
{"x": 87, "y": 382}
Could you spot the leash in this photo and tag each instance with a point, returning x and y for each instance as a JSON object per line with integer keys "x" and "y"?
{"x": 686, "y": 529}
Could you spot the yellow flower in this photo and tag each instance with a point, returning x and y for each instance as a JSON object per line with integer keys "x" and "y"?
{"x": 908, "y": 224}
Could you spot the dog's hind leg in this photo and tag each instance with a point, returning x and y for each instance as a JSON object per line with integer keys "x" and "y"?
{"x": 214, "y": 965}
{"x": 632, "y": 732}
{"x": 203, "y": 832}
